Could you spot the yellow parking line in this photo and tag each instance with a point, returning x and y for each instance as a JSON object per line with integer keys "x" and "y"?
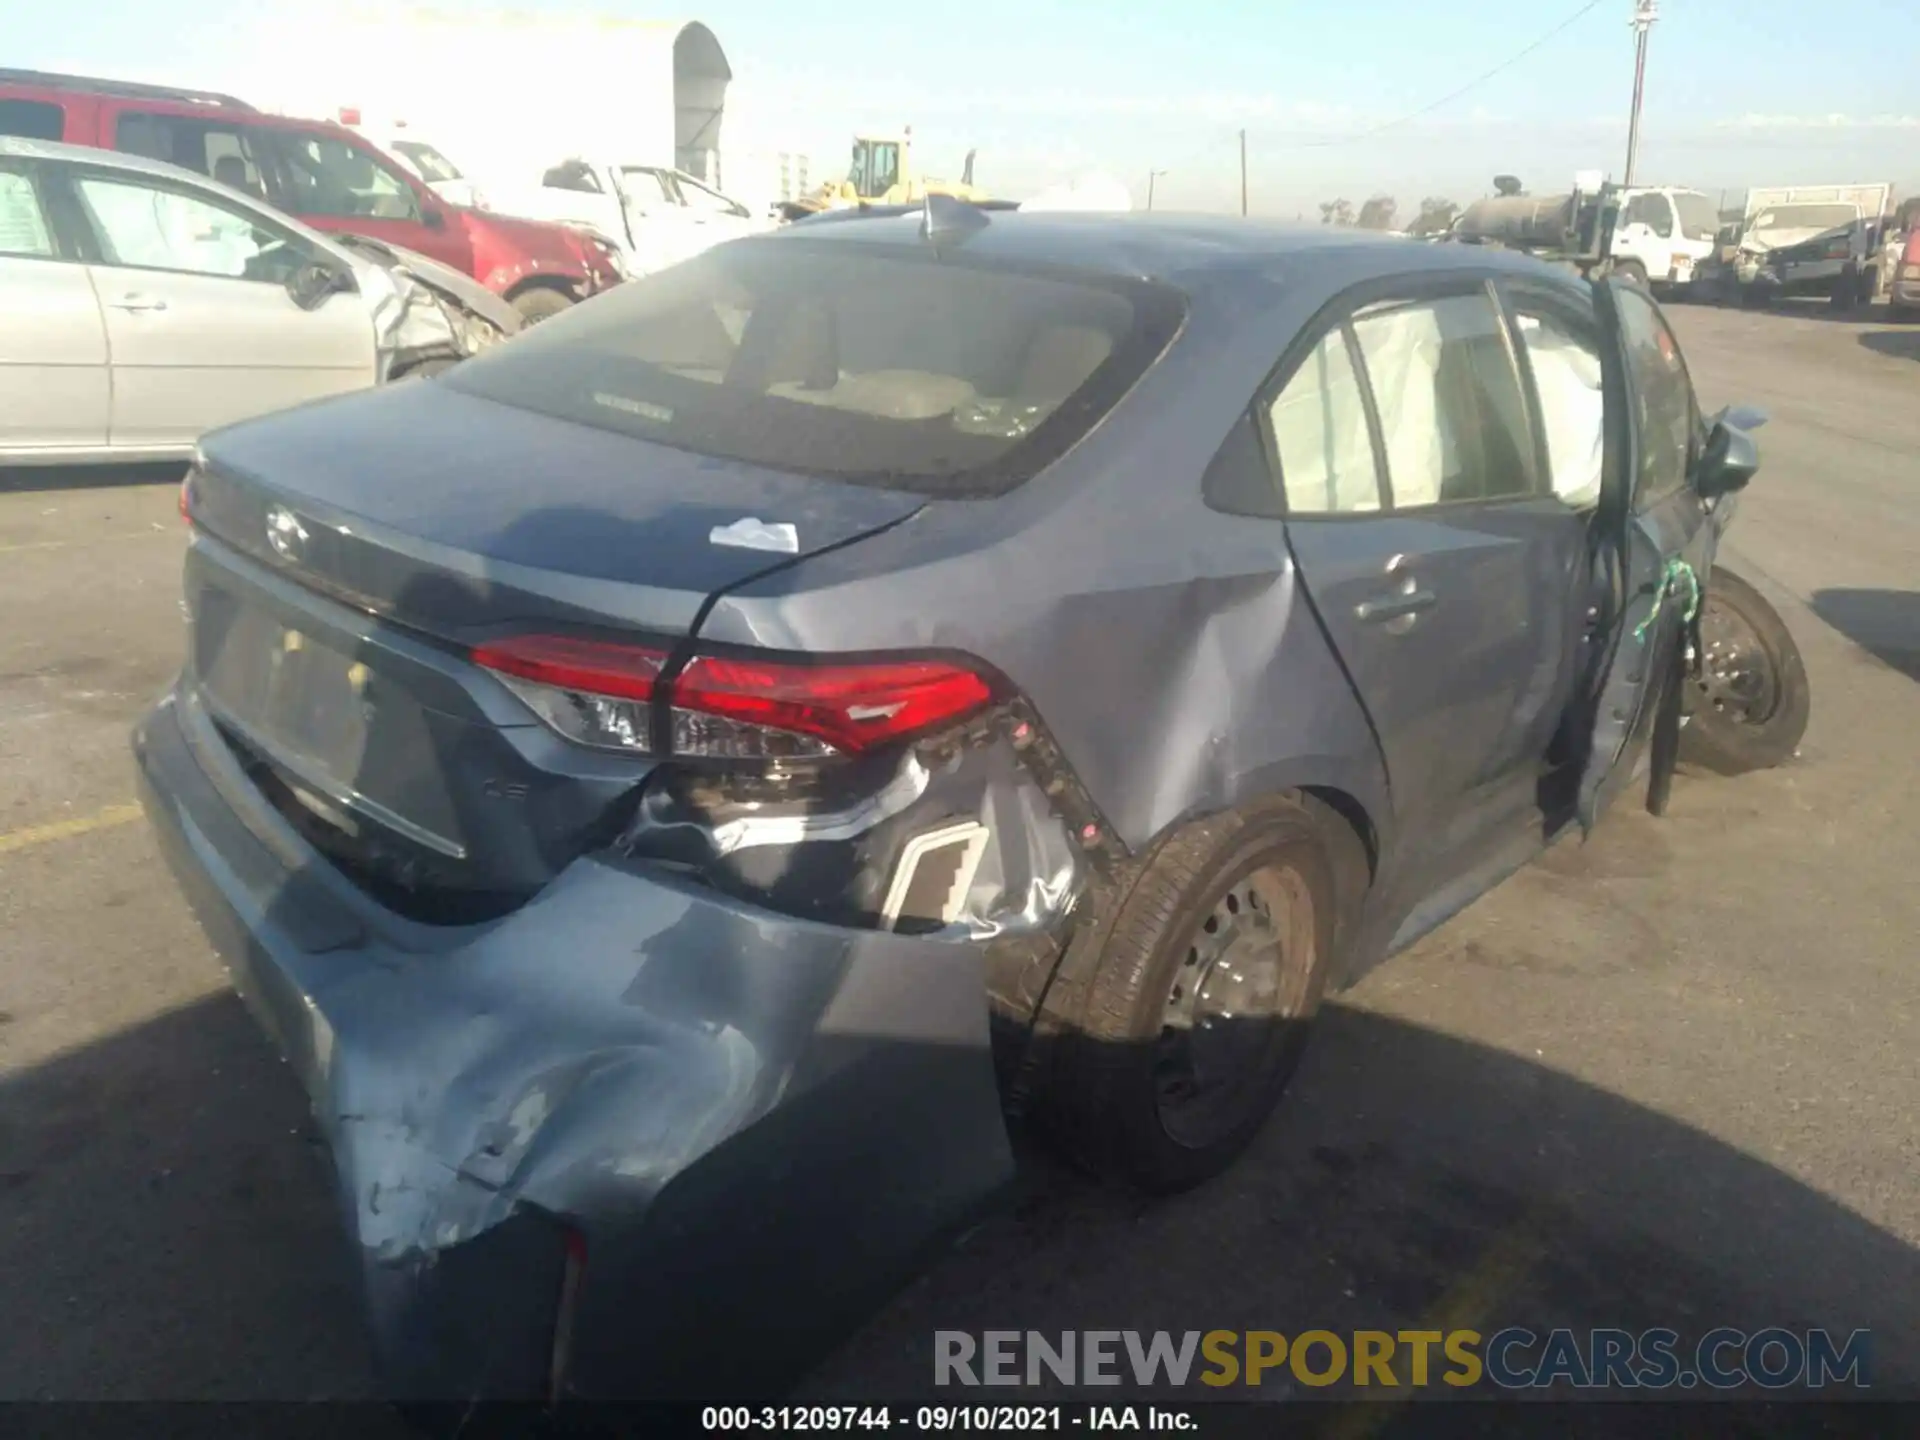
{"x": 66, "y": 829}
{"x": 1464, "y": 1306}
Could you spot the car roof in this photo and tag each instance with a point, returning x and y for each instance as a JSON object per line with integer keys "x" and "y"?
{"x": 48, "y": 82}
{"x": 1188, "y": 251}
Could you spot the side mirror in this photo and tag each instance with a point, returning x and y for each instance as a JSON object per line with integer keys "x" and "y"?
{"x": 1730, "y": 460}
{"x": 311, "y": 284}
{"x": 433, "y": 217}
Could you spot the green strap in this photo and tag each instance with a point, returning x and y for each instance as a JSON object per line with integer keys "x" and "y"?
{"x": 1674, "y": 570}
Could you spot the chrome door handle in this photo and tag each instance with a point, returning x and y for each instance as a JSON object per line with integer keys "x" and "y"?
{"x": 137, "y": 302}
{"x": 1393, "y": 607}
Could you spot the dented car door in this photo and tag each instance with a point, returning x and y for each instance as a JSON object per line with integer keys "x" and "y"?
{"x": 1656, "y": 545}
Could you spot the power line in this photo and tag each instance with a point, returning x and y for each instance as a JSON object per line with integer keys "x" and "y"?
{"x": 1568, "y": 23}
{"x": 1471, "y": 85}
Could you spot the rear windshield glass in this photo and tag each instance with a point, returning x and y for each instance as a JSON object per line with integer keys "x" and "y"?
{"x": 1805, "y": 217}
{"x": 876, "y": 366}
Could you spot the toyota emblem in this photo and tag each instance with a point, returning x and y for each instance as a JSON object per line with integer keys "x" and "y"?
{"x": 286, "y": 534}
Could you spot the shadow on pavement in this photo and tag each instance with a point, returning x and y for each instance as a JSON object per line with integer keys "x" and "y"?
{"x": 1886, "y": 623}
{"x": 1413, "y": 1180}
{"x": 166, "y": 1231}
{"x": 1900, "y": 344}
{"x": 15, "y": 478}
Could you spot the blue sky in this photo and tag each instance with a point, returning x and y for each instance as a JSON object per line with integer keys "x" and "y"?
{"x": 1739, "y": 92}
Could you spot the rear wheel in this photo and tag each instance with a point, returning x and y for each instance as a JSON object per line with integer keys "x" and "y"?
{"x": 541, "y": 302}
{"x": 1200, "y": 1003}
{"x": 1750, "y": 703}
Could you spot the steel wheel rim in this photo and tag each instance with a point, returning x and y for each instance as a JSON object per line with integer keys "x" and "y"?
{"x": 1224, "y": 1018}
{"x": 1738, "y": 677}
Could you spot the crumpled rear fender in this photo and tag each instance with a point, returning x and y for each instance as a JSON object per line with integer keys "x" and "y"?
{"x": 690, "y": 1084}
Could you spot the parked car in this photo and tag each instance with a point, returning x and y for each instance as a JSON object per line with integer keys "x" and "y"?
{"x": 657, "y": 215}
{"x": 324, "y": 174}
{"x": 952, "y": 664}
{"x": 440, "y": 174}
{"x": 146, "y": 304}
{"x": 1810, "y": 240}
{"x": 1841, "y": 265}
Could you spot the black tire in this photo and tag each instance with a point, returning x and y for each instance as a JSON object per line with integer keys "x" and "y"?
{"x": 1112, "y": 1097}
{"x": 541, "y": 302}
{"x": 1748, "y": 709}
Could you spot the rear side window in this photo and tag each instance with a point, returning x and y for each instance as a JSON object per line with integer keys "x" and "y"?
{"x": 1320, "y": 435}
{"x": 1449, "y": 400}
{"x": 1569, "y": 384}
{"x": 884, "y": 367}
{"x": 23, "y": 224}
{"x": 1440, "y": 377}
{"x": 222, "y": 152}
{"x": 33, "y": 119}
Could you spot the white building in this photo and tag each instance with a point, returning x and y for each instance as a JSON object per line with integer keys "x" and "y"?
{"x": 506, "y": 95}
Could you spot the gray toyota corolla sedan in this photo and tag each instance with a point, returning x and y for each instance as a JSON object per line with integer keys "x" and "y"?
{"x": 676, "y": 786}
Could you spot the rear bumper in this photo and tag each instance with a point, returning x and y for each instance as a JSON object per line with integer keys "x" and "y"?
{"x": 758, "y": 1126}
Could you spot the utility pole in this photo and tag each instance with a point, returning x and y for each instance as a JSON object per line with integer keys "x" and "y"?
{"x": 1152, "y": 175}
{"x": 1243, "y": 164}
{"x": 1645, "y": 12}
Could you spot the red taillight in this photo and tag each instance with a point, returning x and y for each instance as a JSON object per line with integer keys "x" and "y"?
{"x": 186, "y": 498}
{"x": 727, "y": 707}
{"x": 625, "y": 672}
{"x": 848, "y": 708}
{"x": 1911, "y": 255}
{"x": 591, "y": 692}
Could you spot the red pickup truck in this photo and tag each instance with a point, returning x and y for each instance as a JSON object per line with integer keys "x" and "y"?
{"x": 324, "y": 174}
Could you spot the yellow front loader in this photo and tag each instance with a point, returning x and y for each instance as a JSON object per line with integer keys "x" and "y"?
{"x": 881, "y": 172}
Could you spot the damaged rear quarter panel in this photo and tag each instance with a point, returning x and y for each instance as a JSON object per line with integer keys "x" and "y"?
{"x": 619, "y": 1079}
{"x": 1168, "y": 647}
{"x": 755, "y": 1122}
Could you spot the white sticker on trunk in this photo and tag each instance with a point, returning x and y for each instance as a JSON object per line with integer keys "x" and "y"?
{"x": 756, "y": 534}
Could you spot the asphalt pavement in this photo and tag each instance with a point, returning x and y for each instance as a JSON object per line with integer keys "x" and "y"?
{"x": 1665, "y": 1077}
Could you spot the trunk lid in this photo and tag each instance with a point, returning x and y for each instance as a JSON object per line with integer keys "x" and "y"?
{"x": 455, "y": 514}
{"x": 348, "y": 554}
